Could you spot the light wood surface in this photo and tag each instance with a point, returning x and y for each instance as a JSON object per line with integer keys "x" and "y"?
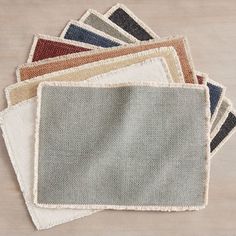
{"x": 210, "y": 26}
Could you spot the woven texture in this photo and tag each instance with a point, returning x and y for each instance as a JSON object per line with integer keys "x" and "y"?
{"x": 97, "y": 21}
{"x": 221, "y": 116}
{"x": 226, "y": 129}
{"x": 18, "y": 127}
{"x": 32, "y": 70}
{"x": 48, "y": 49}
{"x": 80, "y": 34}
{"x": 117, "y": 153}
{"x": 27, "y": 89}
{"x": 154, "y": 69}
{"x": 215, "y": 95}
{"x": 23, "y": 124}
{"x": 126, "y": 22}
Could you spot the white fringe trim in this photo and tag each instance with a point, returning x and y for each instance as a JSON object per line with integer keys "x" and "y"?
{"x": 91, "y": 29}
{"x": 222, "y": 95}
{"x": 223, "y": 118}
{"x": 101, "y": 50}
{"x": 11, "y": 154}
{"x": 132, "y": 15}
{"x": 225, "y": 139}
{"x": 56, "y": 39}
{"x": 169, "y": 50}
{"x": 107, "y": 85}
{"x": 109, "y": 22}
{"x": 113, "y": 49}
{"x": 146, "y": 61}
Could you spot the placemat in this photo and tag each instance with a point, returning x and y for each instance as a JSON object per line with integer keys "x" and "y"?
{"x": 153, "y": 69}
{"x": 222, "y": 136}
{"x": 118, "y": 155}
{"x": 45, "y": 46}
{"x": 222, "y": 114}
{"x": 216, "y": 90}
{"x": 18, "y": 125}
{"x": 77, "y": 31}
{"x": 26, "y": 89}
{"x": 99, "y": 22}
{"x": 28, "y": 71}
{"x": 127, "y": 20}
{"x": 225, "y": 132}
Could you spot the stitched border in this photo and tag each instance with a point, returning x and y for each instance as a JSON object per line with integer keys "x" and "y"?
{"x": 91, "y": 29}
{"x": 106, "y": 20}
{"x": 225, "y": 139}
{"x": 150, "y": 31}
{"x": 56, "y": 39}
{"x": 206, "y": 79}
{"x": 154, "y": 84}
{"x": 114, "y": 49}
{"x": 223, "y": 118}
{"x": 222, "y": 95}
{"x": 146, "y": 61}
{"x": 11, "y": 154}
{"x": 132, "y": 15}
{"x": 169, "y": 50}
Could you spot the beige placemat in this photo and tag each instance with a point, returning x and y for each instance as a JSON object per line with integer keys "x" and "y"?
{"x": 26, "y": 89}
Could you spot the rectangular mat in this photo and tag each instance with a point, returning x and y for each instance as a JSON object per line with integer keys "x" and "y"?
{"x": 77, "y": 31}
{"x": 31, "y": 70}
{"x": 125, "y": 160}
{"x": 217, "y": 94}
{"x": 18, "y": 125}
{"x": 225, "y": 132}
{"x": 124, "y": 18}
{"x": 99, "y": 22}
{"x": 45, "y": 46}
{"x": 222, "y": 114}
{"x": 216, "y": 90}
{"x": 154, "y": 69}
{"x": 18, "y": 92}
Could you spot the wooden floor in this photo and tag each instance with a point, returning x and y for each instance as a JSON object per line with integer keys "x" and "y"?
{"x": 210, "y": 26}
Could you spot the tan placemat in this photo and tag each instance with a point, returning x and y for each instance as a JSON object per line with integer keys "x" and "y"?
{"x": 28, "y": 71}
{"x": 26, "y": 89}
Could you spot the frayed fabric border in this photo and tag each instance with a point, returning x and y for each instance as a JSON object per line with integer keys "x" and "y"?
{"x": 132, "y": 15}
{"x": 109, "y": 22}
{"x": 107, "y": 85}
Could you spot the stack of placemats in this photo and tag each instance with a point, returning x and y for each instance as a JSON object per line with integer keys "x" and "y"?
{"x": 110, "y": 116}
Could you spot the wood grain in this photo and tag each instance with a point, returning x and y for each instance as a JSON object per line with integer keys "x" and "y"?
{"x": 211, "y": 29}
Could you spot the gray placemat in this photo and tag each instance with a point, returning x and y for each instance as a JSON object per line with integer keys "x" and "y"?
{"x": 139, "y": 147}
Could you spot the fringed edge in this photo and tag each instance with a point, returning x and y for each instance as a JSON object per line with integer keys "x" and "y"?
{"x": 120, "y": 207}
{"x": 91, "y": 29}
{"x": 56, "y": 39}
{"x": 109, "y": 22}
{"x": 101, "y": 50}
{"x": 32, "y": 49}
{"x": 11, "y": 154}
{"x": 132, "y": 15}
{"x": 223, "y": 118}
{"x": 9, "y": 89}
{"x": 225, "y": 139}
{"x": 114, "y": 49}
